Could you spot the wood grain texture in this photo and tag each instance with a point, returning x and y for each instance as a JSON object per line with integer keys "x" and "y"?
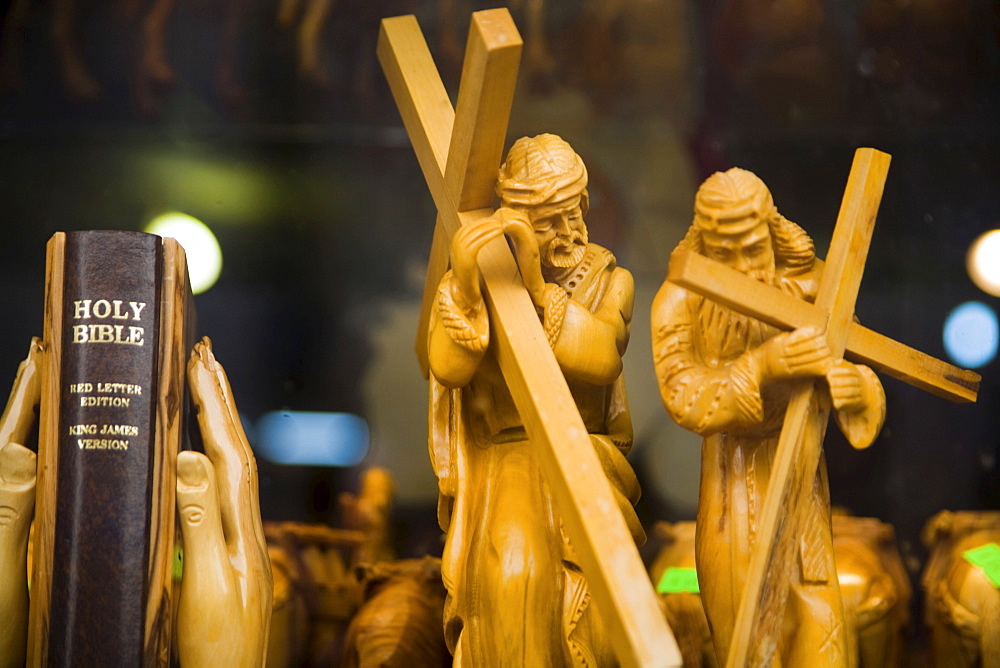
{"x": 176, "y": 319}
{"x": 738, "y": 291}
{"x": 48, "y": 428}
{"x": 619, "y": 583}
{"x": 758, "y": 622}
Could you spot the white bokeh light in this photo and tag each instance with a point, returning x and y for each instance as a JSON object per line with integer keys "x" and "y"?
{"x": 204, "y": 256}
{"x": 971, "y": 334}
{"x": 983, "y": 262}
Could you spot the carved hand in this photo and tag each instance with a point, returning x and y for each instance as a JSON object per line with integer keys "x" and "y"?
{"x": 17, "y": 500}
{"x": 465, "y": 247}
{"x": 846, "y": 387}
{"x": 801, "y": 353}
{"x": 225, "y": 599}
{"x": 517, "y": 226}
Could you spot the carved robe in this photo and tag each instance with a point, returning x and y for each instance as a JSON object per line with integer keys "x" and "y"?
{"x": 515, "y": 593}
{"x": 709, "y": 383}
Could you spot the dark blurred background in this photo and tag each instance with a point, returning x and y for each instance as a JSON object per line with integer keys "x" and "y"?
{"x": 270, "y": 121}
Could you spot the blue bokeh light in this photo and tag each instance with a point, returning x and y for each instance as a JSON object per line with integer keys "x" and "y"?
{"x": 312, "y": 439}
{"x": 972, "y": 334}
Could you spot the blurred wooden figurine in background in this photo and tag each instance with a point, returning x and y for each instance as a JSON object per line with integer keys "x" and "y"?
{"x": 370, "y": 513}
{"x": 875, "y": 588}
{"x": 873, "y": 581}
{"x": 682, "y": 604}
{"x": 962, "y": 586}
{"x": 321, "y": 574}
{"x": 399, "y": 620}
{"x": 516, "y": 593}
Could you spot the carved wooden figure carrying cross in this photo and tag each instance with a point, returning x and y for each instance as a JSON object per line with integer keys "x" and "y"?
{"x": 459, "y": 152}
{"x": 794, "y": 468}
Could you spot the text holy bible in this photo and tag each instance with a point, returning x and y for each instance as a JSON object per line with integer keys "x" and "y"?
{"x": 111, "y": 421}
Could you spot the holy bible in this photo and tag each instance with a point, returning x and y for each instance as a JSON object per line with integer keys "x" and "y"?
{"x": 117, "y": 334}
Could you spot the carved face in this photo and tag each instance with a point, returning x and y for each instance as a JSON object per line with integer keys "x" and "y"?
{"x": 560, "y": 231}
{"x": 750, "y": 251}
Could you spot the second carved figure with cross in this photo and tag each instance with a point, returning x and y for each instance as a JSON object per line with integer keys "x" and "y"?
{"x": 516, "y": 595}
{"x": 727, "y": 377}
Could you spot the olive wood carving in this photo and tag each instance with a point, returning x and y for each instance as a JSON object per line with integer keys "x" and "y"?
{"x": 17, "y": 501}
{"x": 962, "y": 605}
{"x": 224, "y": 609}
{"x": 734, "y": 379}
{"x": 458, "y": 151}
{"x": 225, "y": 600}
{"x": 873, "y": 581}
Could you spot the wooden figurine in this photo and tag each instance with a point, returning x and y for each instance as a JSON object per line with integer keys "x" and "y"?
{"x": 875, "y": 588}
{"x": 325, "y": 593}
{"x": 399, "y": 621}
{"x": 525, "y": 408}
{"x": 317, "y": 592}
{"x": 764, "y": 545}
{"x": 962, "y": 585}
{"x": 681, "y": 600}
{"x": 370, "y": 513}
{"x": 308, "y": 23}
{"x": 516, "y": 590}
{"x": 289, "y": 632}
{"x": 17, "y": 501}
{"x": 873, "y": 581}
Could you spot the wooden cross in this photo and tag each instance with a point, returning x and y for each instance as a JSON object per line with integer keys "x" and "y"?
{"x": 459, "y": 152}
{"x": 758, "y": 621}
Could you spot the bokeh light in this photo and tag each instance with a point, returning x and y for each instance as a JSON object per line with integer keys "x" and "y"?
{"x": 204, "y": 256}
{"x": 971, "y": 334}
{"x": 983, "y": 262}
{"x": 311, "y": 439}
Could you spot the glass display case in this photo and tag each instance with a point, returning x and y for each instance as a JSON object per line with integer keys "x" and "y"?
{"x": 272, "y": 123}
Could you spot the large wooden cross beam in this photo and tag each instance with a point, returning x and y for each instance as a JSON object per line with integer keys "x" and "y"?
{"x": 459, "y": 152}
{"x": 758, "y": 621}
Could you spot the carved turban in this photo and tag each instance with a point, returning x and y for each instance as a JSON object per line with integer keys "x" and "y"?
{"x": 541, "y": 170}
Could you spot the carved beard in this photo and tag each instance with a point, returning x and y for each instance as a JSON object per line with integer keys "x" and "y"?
{"x": 566, "y": 252}
{"x": 728, "y": 334}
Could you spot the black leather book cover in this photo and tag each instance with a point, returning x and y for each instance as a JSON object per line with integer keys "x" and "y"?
{"x": 107, "y": 397}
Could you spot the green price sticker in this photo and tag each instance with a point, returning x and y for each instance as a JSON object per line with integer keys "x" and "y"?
{"x": 178, "y": 570}
{"x": 986, "y": 557}
{"x": 677, "y": 581}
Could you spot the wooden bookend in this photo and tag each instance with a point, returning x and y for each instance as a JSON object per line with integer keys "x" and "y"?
{"x": 118, "y": 317}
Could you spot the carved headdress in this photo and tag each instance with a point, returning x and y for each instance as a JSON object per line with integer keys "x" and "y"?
{"x": 736, "y": 200}
{"x": 732, "y": 202}
{"x": 541, "y": 170}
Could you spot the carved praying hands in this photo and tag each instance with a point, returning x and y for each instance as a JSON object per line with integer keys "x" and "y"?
{"x": 17, "y": 501}
{"x": 225, "y": 600}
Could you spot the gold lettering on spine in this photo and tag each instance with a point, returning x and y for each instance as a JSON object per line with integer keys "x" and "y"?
{"x": 113, "y": 309}
{"x": 102, "y": 444}
{"x": 115, "y": 402}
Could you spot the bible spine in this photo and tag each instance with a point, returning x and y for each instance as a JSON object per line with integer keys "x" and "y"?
{"x": 107, "y": 394}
